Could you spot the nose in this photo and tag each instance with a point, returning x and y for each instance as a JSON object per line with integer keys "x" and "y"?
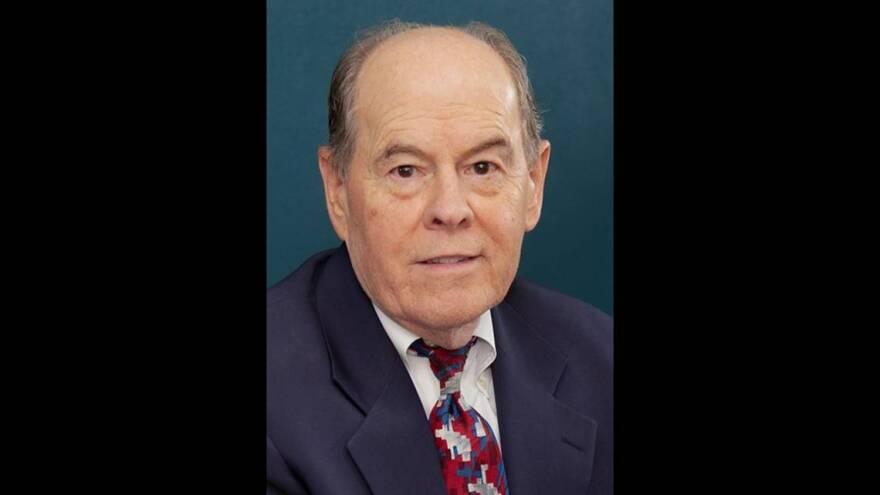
{"x": 448, "y": 208}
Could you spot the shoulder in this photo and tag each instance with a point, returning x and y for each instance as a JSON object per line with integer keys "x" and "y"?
{"x": 295, "y": 290}
{"x": 298, "y": 283}
{"x": 292, "y": 323}
{"x": 572, "y": 326}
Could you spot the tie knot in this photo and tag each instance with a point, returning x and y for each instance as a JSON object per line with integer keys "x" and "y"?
{"x": 445, "y": 363}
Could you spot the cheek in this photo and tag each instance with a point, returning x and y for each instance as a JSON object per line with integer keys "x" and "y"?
{"x": 382, "y": 223}
{"x": 365, "y": 206}
{"x": 505, "y": 216}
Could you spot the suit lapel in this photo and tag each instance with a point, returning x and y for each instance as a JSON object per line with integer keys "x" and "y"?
{"x": 393, "y": 447}
{"x": 547, "y": 447}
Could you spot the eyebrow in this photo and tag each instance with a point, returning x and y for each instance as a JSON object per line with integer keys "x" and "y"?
{"x": 400, "y": 148}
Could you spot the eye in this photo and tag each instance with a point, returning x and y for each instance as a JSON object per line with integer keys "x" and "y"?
{"x": 404, "y": 171}
{"x": 483, "y": 168}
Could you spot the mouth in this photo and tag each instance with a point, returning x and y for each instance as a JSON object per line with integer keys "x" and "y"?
{"x": 449, "y": 260}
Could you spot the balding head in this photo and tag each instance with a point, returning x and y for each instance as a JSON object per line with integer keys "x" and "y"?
{"x": 433, "y": 46}
{"x": 440, "y": 182}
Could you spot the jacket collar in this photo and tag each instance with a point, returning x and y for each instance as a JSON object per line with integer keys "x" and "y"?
{"x": 548, "y": 447}
{"x": 393, "y": 447}
{"x": 361, "y": 354}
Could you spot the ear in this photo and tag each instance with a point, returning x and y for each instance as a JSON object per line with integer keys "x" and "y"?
{"x": 334, "y": 193}
{"x": 537, "y": 174}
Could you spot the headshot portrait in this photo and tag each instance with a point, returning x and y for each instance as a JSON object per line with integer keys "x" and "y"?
{"x": 439, "y": 248}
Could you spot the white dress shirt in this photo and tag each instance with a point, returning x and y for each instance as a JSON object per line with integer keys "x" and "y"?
{"x": 477, "y": 389}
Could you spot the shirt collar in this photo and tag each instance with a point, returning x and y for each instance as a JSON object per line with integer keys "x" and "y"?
{"x": 403, "y": 338}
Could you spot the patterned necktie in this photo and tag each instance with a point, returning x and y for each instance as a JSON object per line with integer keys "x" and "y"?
{"x": 469, "y": 454}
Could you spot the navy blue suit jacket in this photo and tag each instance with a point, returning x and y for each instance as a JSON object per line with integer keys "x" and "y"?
{"x": 343, "y": 417}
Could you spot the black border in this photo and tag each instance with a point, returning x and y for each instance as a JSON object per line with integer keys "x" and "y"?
{"x": 164, "y": 304}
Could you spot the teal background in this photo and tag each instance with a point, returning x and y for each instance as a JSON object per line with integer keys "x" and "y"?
{"x": 568, "y": 47}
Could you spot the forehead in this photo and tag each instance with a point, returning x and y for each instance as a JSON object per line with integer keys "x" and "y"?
{"x": 435, "y": 74}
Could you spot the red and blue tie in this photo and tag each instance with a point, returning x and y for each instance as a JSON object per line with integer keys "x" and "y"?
{"x": 469, "y": 454}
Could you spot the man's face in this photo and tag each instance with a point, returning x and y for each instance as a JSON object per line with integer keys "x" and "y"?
{"x": 438, "y": 194}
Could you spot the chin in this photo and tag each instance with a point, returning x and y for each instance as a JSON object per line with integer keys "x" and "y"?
{"x": 449, "y": 312}
{"x": 440, "y": 320}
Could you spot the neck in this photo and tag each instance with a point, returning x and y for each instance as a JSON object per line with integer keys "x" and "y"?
{"x": 452, "y": 338}
{"x": 447, "y": 337}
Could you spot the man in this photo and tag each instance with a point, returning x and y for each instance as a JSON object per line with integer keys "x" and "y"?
{"x": 410, "y": 360}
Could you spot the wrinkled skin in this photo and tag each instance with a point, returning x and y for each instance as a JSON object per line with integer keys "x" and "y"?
{"x": 420, "y": 186}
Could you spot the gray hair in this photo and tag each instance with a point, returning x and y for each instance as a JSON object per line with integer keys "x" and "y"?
{"x": 340, "y": 101}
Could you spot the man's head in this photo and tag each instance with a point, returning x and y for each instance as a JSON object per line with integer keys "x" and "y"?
{"x": 435, "y": 169}
{"x": 340, "y": 102}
